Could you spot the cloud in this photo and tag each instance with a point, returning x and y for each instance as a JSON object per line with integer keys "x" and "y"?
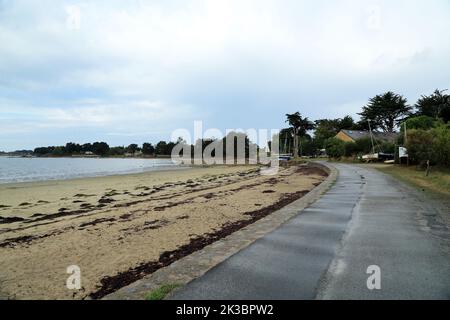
{"x": 118, "y": 66}
{"x": 91, "y": 113}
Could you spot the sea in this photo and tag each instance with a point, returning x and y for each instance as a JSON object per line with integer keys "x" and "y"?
{"x": 15, "y": 169}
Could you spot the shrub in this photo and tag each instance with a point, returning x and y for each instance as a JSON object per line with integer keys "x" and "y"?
{"x": 335, "y": 148}
{"x": 433, "y": 145}
{"x": 350, "y": 149}
{"x": 441, "y": 145}
{"x": 364, "y": 145}
{"x": 420, "y": 146}
{"x": 387, "y": 147}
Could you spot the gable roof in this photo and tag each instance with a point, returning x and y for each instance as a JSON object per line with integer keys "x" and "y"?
{"x": 384, "y": 136}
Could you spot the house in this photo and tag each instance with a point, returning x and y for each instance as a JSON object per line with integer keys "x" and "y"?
{"x": 353, "y": 135}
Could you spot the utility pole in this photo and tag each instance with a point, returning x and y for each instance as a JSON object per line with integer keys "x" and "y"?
{"x": 406, "y": 136}
{"x": 371, "y": 137}
{"x": 405, "y": 142}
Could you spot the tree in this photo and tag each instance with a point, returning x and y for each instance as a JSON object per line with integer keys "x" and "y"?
{"x": 169, "y": 147}
{"x": 335, "y": 148}
{"x": 148, "y": 149}
{"x": 385, "y": 111}
{"x": 237, "y": 140}
{"x": 58, "y": 151}
{"x": 87, "y": 147}
{"x": 300, "y": 127}
{"x": 328, "y": 128}
{"x": 325, "y": 129}
{"x": 41, "y": 151}
{"x": 436, "y": 105}
{"x": 419, "y": 122}
{"x": 100, "y": 148}
{"x": 309, "y": 146}
{"x": 72, "y": 148}
{"x": 285, "y": 139}
{"x": 132, "y": 148}
{"x": 347, "y": 123}
{"x": 161, "y": 148}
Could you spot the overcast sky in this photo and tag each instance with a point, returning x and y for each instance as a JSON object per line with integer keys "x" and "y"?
{"x": 133, "y": 71}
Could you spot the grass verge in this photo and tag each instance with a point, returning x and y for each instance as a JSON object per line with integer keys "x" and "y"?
{"x": 437, "y": 183}
{"x": 161, "y": 292}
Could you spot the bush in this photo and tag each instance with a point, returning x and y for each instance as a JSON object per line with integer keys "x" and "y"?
{"x": 100, "y": 148}
{"x": 308, "y": 147}
{"x": 441, "y": 144}
{"x": 420, "y": 146}
{"x": 433, "y": 145}
{"x": 335, "y": 148}
{"x": 387, "y": 147}
{"x": 350, "y": 149}
{"x": 364, "y": 145}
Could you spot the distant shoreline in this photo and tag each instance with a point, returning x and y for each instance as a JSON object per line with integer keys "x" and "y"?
{"x": 19, "y": 170}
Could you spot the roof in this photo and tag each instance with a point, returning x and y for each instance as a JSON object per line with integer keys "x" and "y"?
{"x": 358, "y": 134}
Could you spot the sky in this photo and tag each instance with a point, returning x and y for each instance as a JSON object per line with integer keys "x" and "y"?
{"x": 131, "y": 71}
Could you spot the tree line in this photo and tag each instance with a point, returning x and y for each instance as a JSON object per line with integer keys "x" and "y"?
{"x": 102, "y": 149}
{"x": 427, "y": 123}
{"x": 162, "y": 148}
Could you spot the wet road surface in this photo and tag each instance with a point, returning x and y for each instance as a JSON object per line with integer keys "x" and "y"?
{"x": 366, "y": 219}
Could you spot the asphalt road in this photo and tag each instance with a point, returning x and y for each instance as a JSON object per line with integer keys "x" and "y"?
{"x": 367, "y": 218}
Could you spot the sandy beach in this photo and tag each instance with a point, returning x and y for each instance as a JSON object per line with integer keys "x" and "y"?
{"x": 117, "y": 229}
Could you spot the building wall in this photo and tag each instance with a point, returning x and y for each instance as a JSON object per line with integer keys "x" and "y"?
{"x": 342, "y": 136}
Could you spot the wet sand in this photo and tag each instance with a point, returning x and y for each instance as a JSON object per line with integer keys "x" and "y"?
{"x": 117, "y": 229}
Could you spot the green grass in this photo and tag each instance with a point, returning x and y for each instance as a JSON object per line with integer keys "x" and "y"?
{"x": 437, "y": 182}
{"x": 161, "y": 292}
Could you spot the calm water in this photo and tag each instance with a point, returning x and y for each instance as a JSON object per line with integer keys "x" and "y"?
{"x": 41, "y": 169}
